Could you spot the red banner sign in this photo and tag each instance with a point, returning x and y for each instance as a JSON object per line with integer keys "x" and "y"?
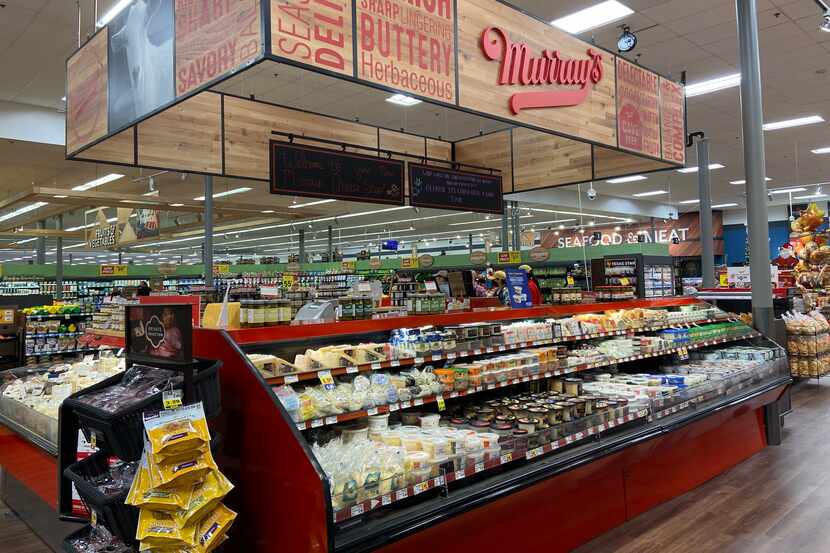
{"x": 520, "y": 67}
{"x": 213, "y": 38}
{"x": 673, "y": 128}
{"x": 408, "y": 45}
{"x": 638, "y": 109}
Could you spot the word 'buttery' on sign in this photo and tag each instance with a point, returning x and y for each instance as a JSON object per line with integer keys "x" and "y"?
{"x": 519, "y": 67}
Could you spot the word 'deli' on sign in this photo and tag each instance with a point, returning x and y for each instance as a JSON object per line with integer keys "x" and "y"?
{"x": 520, "y": 67}
{"x": 314, "y": 32}
{"x": 408, "y": 45}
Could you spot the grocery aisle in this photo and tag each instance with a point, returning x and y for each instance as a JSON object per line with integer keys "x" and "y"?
{"x": 777, "y": 501}
{"x": 15, "y": 536}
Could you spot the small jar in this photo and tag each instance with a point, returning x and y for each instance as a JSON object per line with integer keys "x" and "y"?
{"x": 480, "y": 425}
{"x": 520, "y": 436}
{"x": 573, "y": 386}
{"x": 243, "y": 313}
{"x": 485, "y": 414}
{"x": 579, "y": 406}
{"x": 541, "y": 415}
{"x": 259, "y": 313}
{"x": 557, "y": 385}
{"x": 271, "y": 313}
{"x": 567, "y": 411}
{"x": 528, "y": 424}
{"x": 556, "y": 414}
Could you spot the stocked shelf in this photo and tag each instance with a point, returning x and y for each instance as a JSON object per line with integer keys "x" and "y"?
{"x": 66, "y": 316}
{"x": 391, "y": 408}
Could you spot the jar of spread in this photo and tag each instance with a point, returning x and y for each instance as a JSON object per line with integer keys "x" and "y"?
{"x": 557, "y": 385}
{"x": 567, "y": 411}
{"x": 485, "y": 414}
{"x": 528, "y": 424}
{"x": 271, "y": 313}
{"x": 541, "y": 415}
{"x": 573, "y": 386}
{"x": 556, "y": 414}
{"x": 579, "y": 406}
{"x": 520, "y": 439}
{"x": 259, "y": 313}
{"x": 243, "y": 313}
{"x": 284, "y": 311}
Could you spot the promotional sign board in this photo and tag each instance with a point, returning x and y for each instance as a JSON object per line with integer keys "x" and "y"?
{"x": 426, "y": 261}
{"x": 86, "y": 96}
{"x": 510, "y": 257}
{"x": 518, "y": 289}
{"x": 146, "y": 223}
{"x": 113, "y": 270}
{"x": 638, "y": 109}
{"x": 293, "y": 267}
{"x": 160, "y": 332}
{"x": 448, "y": 189}
{"x": 478, "y": 258}
{"x": 539, "y": 254}
{"x": 673, "y": 121}
{"x": 320, "y": 173}
{"x": 375, "y": 263}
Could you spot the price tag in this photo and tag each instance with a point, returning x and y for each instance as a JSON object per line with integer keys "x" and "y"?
{"x": 393, "y": 407}
{"x": 441, "y": 404}
{"x": 419, "y": 360}
{"x": 591, "y": 431}
{"x": 326, "y": 380}
{"x": 300, "y": 426}
{"x": 395, "y": 363}
{"x": 579, "y": 435}
{"x": 491, "y": 386}
{"x": 351, "y": 370}
{"x": 420, "y": 487}
{"x": 375, "y": 366}
{"x": 405, "y": 404}
{"x": 93, "y": 518}
{"x": 171, "y": 399}
{"x": 459, "y": 474}
{"x": 525, "y": 379}
{"x": 453, "y": 395}
{"x": 386, "y": 500}
{"x": 450, "y": 356}
{"x": 357, "y": 510}
{"x": 477, "y": 352}
{"x": 439, "y": 481}
{"x": 611, "y": 424}
{"x": 67, "y": 318}
{"x": 401, "y": 494}
{"x": 373, "y": 411}
{"x": 570, "y": 280}
{"x": 479, "y": 467}
{"x": 532, "y": 453}
{"x": 331, "y": 420}
{"x": 683, "y": 354}
{"x": 569, "y": 439}
{"x": 417, "y": 402}
{"x": 317, "y": 423}
{"x": 291, "y": 379}
{"x": 506, "y": 458}
{"x": 624, "y": 281}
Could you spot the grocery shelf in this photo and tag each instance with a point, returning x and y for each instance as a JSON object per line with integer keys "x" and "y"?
{"x": 48, "y": 334}
{"x": 392, "y": 407}
{"x": 292, "y": 378}
{"x": 59, "y": 316}
{"x": 63, "y": 352}
{"x": 507, "y": 458}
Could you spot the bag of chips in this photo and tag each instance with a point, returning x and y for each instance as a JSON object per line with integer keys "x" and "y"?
{"x": 185, "y": 471}
{"x": 204, "y": 497}
{"x": 212, "y": 529}
{"x": 157, "y": 529}
{"x": 175, "y": 432}
{"x": 142, "y": 494}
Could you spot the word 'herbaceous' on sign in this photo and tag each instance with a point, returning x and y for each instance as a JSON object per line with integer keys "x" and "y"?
{"x": 520, "y": 67}
{"x": 408, "y": 45}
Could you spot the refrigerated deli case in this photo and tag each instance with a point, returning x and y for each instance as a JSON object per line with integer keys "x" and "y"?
{"x": 540, "y": 428}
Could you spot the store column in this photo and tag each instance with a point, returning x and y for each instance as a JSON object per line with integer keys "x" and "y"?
{"x": 752, "y": 115}
{"x": 505, "y": 216}
{"x": 515, "y": 228}
{"x": 302, "y": 245}
{"x": 40, "y": 245}
{"x": 470, "y": 239}
{"x": 207, "y": 254}
{"x": 331, "y": 248}
{"x": 707, "y": 252}
{"x": 59, "y": 261}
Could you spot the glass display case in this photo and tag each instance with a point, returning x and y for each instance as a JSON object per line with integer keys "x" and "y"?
{"x": 424, "y": 418}
{"x": 647, "y": 276}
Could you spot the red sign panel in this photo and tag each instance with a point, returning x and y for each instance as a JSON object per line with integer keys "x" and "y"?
{"x": 213, "y": 38}
{"x": 519, "y": 67}
{"x": 673, "y": 128}
{"x": 408, "y": 45}
{"x": 638, "y": 109}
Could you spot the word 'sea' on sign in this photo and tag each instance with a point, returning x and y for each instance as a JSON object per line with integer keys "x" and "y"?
{"x": 520, "y": 67}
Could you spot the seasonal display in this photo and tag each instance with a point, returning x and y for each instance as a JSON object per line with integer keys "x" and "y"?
{"x": 808, "y": 344}
{"x": 811, "y": 248}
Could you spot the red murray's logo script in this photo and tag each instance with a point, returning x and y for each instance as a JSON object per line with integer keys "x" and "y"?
{"x": 519, "y": 67}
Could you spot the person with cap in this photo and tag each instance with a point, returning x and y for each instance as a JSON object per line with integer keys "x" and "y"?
{"x": 499, "y": 289}
{"x": 532, "y": 285}
{"x": 442, "y": 282}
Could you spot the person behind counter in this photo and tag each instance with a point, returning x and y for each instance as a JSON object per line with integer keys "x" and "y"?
{"x": 143, "y": 289}
{"x": 499, "y": 290}
{"x": 532, "y": 285}
{"x": 480, "y": 286}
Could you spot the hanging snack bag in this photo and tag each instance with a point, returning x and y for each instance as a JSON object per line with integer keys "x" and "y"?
{"x": 185, "y": 471}
{"x": 214, "y": 526}
{"x": 175, "y": 432}
{"x": 157, "y": 529}
{"x": 142, "y": 495}
{"x": 204, "y": 497}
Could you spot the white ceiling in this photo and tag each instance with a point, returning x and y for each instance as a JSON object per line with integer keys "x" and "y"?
{"x": 696, "y": 36}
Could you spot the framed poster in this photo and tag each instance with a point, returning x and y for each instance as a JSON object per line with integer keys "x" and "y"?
{"x": 160, "y": 333}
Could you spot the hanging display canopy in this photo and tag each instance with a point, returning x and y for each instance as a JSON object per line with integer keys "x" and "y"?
{"x": 145, "y": 90}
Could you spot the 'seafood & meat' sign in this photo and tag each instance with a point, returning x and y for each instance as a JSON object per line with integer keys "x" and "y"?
{"x": 408, "y": 45}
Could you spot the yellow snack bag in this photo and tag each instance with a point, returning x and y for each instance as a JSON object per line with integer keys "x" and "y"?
{"x": 183, "y": 549}
{"x": 157, "y": 529}
{"x": 177, "y": 431}
{"x": 214, "y": 526}
{"x": 204, "y": 497}
{"x": 144, "y": 496}
{"x": 186, "y": 471}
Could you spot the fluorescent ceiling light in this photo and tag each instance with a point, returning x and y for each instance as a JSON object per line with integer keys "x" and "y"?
{"x": 403, "y": 100}
{"x": 267, "y": 211}
{"x": 718, "y": 206}
{"x": 97, "y": 182}
{"x": 787, "y": 190}
{"x": 318, "y": 202}
{"x": 713, "y": 85}
{"x": 690, "y": 202}
{"x": 114, "y": 11}
{"x": 59, "y": 196}
{"x": 225, "y": 193}
{"x": 593, "y": 17}
{"x": 621, "y": 180}
{"x": 650, "y": 193}
{"x": 743, "y": 181}
{"x": 177, "y": 205}
{"x": 824, "y": 150}
{"x": 712, "y": 167}
{"x": 25, "y": 241}
{"x": 22, "y": 210}
{"x": 797, "y": 122}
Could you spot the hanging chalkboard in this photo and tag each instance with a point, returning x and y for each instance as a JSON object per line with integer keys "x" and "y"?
{"x": 320, "y": 173}
{"x": 448, "y": 189}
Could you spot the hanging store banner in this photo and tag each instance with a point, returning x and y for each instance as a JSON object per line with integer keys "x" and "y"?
{"x": 447, "y": 189}
{"x": 638, "y": 109}
{"x": 100, "y": 237}
{"x": 214, "y": 38}
{"x": 408, "y": 45}
{"x": 86, "y": 93}
{"x": 113, "y": 270}
{"x": 145, "y": 224}
{"x": 321, "y": 173}
{"x": 314, "y": 32}
{"x": 673, "y": 121}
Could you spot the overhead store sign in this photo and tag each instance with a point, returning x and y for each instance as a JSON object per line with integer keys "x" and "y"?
{"x": 321, "y": 173}
{"x": 638, "y": 109}
{"x": 113, "y": 270}
{"x": 448, "y": 189}
{"x": 672, "y": 121}
{"x": 103, "y": 237}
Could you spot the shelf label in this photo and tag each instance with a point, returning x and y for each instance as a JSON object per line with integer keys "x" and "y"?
{"x": 331, "y": 420}
{"x": 417, "y": 402}
{"x": 525, "y": 379}
{"x": 683, "y": 354}
{"x": 375, "y": 366}
{"x": 317, "y": 423}
{"x": 394, "y": 363}
{"x": 291, "y": 379}
{"x": 506, "y": 458}
{"x": 394, "y": 407}
{"x": 171, "y": 399}
{"x": 420, "y": 488}
{"x": 491, "y": 386}
{"x": 352, "y": 369}
{"x": 460, "y": 474}
{"x": 441, "y": 404}
{"x": 401, "y": 494}
{"x": 386, "y": 499}
{"x": 479, "y": 467}
{"x": 453, "y": 395}
{"x": 373, "y": 411}
{"x": 418, "y": 360}
{"x": 357, "y": 510}
{"x": 450, "y": 356}
{"x": 300, "y": 426}
{"x": 579, "y": 435}
{"x": 439, "y": 481}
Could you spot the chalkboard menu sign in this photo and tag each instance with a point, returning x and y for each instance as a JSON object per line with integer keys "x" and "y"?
{"x": 320, "y": 173}
{"x": 448, "y": 189}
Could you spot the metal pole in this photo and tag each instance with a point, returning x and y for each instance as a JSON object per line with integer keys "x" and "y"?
{"x": 752, "y": 115}
{"x": 40, "y": 245}
{"x": 119, "y": 257}
{"x": 302, "y": 245}
{"x": 505, "y": 216}
{"x": 331, "y": 243}
{"x": 470, "y": 240}
{"x": 207, "y": 253}
{"x": 59, "y": 262}
{"x": 517, "y": 240}
{"x": 707, "y": 252}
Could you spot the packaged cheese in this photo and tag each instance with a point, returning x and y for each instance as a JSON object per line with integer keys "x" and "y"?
{"x": 172, "y": 433}
{"x": 204, "y": 497}
{"x": 157, "y": 529}
{"x": 184, "y": 471}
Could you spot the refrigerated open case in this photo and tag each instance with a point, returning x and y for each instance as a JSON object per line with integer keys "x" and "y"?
{"x": 650, "y": 276}
{"x": 672, "y": 381}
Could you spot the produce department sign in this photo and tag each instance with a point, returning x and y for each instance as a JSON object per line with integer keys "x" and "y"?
{"x": 408, "y": 45}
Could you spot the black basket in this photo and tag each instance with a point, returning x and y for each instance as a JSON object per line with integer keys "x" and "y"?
{"x": 122, "y": 433}
{"x": 120, "y": 519}
{"x": 68, "y": 548}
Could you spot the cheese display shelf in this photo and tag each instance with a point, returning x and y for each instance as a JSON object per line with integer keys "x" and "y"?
{"x": 389, "y": 434}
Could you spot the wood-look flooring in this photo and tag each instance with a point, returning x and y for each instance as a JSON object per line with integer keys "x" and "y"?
{"x": 15, "y": 536}
{"x": 775, "y": 502}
